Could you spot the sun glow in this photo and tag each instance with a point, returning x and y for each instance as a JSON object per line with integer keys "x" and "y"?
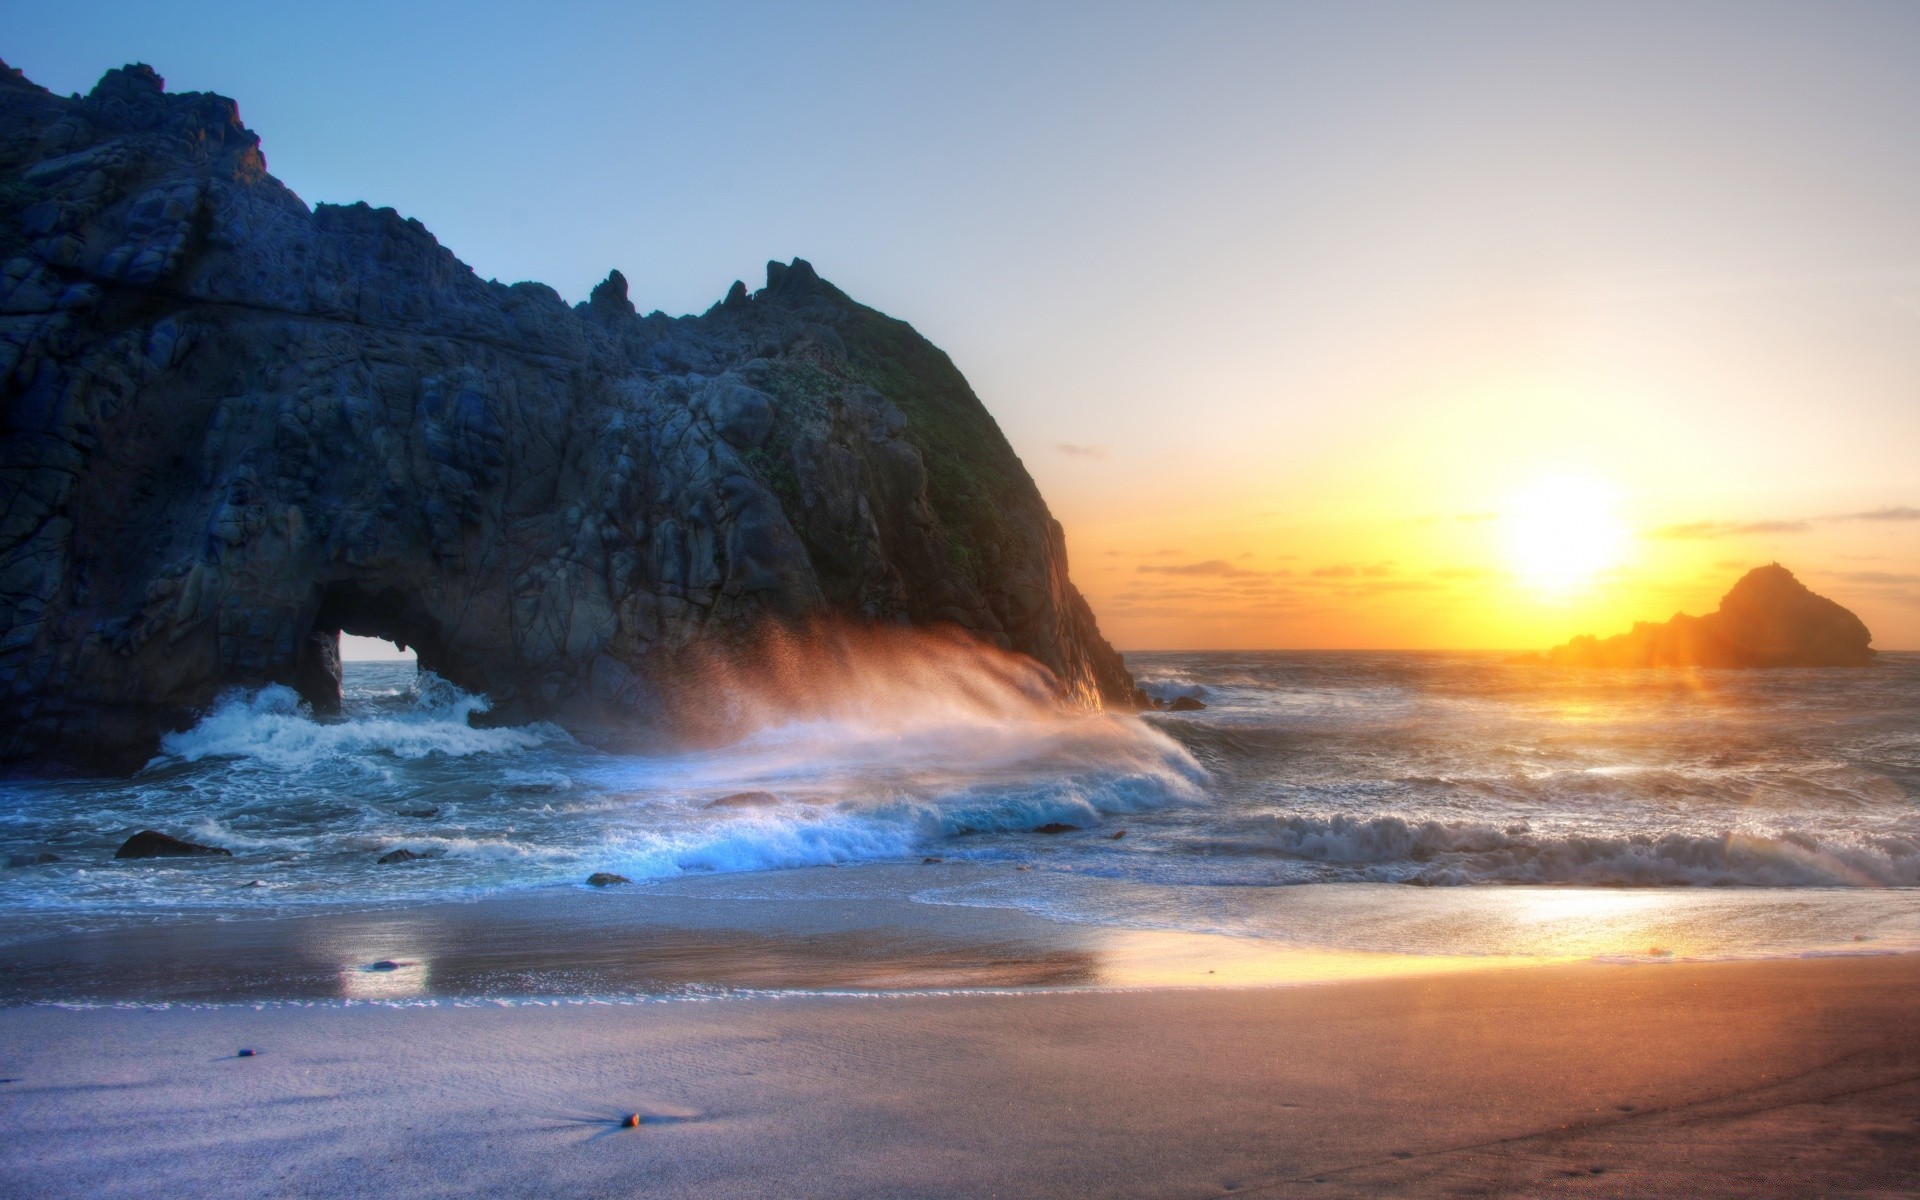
{"x": 1561, "y": 533}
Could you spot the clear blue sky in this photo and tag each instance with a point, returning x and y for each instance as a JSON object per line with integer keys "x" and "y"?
{"x": 1268, "y": 280}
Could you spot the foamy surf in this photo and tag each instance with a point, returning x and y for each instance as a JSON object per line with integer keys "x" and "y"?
{"x": 271, "y": 726}
{"x": 1441, "y": 770}
{"x": 881, "y": 754}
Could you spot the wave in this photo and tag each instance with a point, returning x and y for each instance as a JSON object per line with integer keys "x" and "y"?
{"x": 1396, "y": 849}
{"x": 1166, "y": 691}
{"x": 271, "y": 727}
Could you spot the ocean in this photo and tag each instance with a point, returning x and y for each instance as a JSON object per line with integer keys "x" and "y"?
{"x": 1411, "y": 803}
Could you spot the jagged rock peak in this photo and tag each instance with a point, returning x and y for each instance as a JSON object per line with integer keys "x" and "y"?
{"x": 609, "y": 296}
{"x": 232, "y": 427}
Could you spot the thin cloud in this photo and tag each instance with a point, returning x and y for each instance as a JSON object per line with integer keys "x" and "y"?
{"x": 1875, "y": 577}
{"x": 1219, "y": 568}
{"x": 1897, "y": 513}
{"x": 1353, "y": 570}
{"x": 1074, "y": 450}
{"x": 1710, "y": 530}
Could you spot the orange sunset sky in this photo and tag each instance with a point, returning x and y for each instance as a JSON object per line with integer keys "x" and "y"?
{"x": 1467, "y": 325}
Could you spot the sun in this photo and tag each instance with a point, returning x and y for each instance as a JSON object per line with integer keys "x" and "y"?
{"x": 1561, "y": 532}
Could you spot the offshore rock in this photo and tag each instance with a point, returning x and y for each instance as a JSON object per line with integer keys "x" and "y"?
{"x": 1769, "y": 619}
{"x": 149, "y": 843}
{"x": 233, "y": 426}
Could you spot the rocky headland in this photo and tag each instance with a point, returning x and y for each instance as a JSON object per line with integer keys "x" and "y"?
{"x": 1768, "y": 619}
{"x": 233, "y": 426}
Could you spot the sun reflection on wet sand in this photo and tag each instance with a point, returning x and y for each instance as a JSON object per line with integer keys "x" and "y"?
{"x": 385, "y": 979}
{"x": 1153, "y": 958}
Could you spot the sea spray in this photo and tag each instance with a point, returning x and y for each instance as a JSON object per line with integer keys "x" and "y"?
{"x": 869, "y": 748}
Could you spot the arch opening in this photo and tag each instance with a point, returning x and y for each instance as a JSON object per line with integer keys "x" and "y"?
{"x": 353, "y": 622}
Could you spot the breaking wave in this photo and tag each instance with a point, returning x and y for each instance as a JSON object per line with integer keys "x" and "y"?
{"x": 1395, "y": 849}
{"x": 270, "y": 725}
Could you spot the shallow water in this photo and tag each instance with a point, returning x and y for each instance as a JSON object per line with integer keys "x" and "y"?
{"x": 1746, "y": 812}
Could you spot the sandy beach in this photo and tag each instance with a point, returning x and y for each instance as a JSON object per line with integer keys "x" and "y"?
{"x": 1781, "y": 1078}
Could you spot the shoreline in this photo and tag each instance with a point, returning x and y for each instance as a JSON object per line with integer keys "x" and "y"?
{"x": 884, "y": 928}
{"x": 1785, "y": 1077}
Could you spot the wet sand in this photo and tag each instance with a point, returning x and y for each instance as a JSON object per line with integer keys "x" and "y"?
{"x": 1782, "y": 1078}
{"x": 832, "y": 931}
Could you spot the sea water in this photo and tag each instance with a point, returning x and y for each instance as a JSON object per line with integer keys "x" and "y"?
{"x": 1409, "y": 802}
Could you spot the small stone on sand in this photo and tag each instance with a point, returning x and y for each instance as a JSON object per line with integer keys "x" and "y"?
{"x": 245, "y": 1053}
{"x": 1116, "y": 835}
{"x": 606, "y": 879}
{"x": 931, "y": 859}
{"x": 630, "y": 1121}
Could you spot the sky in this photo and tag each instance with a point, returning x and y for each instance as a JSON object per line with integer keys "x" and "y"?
{"x": 1378, "y": 325}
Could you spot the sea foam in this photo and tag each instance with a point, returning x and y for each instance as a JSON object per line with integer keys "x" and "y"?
{"x": 271, "y": 725}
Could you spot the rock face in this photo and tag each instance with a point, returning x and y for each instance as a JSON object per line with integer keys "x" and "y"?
{"x": 232, "y": 426}
{"x": 1769, "y": 619}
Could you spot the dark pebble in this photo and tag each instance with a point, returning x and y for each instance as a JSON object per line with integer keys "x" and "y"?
{"x": 931, "y": 859}
{"x": 630, "y": 1121}
{"x": 1116, "y": 835}
{"x": 606, "y": 879}
{"x": 385, "y": 964}
{"x": 245, "y": 1053}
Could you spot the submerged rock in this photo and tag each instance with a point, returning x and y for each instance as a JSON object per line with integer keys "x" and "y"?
{"x": 1185, "y": 704}
{"x": 403, "y": 855}
{"x": 31, "y": 860}
{"x": 1056, "y": 827}
{"x": 236, "y": 426}
{"x": 150, "y": 843}
{"x": 1768, "y": 619}
{"x": 606, "y": 879}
